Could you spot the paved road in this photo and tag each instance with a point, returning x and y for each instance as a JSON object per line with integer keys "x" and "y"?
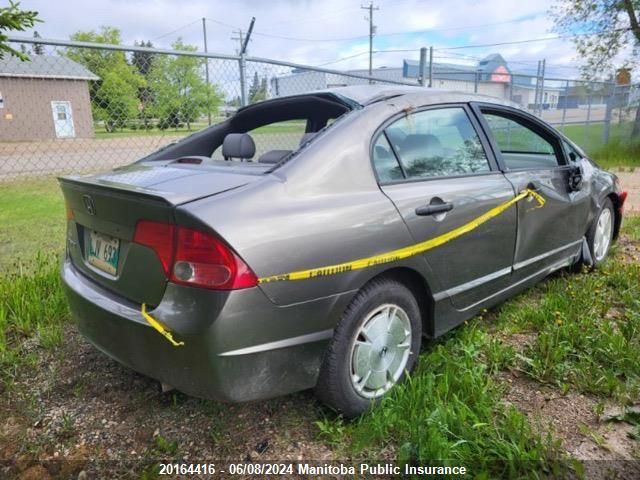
{"x": 92, "y": 154}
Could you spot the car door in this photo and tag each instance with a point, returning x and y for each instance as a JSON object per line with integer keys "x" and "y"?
{"x": 436, "y": 169}
{"x": 532, "y": 156}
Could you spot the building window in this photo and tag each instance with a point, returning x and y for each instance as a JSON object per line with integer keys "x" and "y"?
{"x": 1, "y": 100}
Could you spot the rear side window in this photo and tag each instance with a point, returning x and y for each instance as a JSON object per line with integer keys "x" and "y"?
{"x": 437, "y": 143}
{"x": 385, "y": 161}
{"x": 520, "y": 146}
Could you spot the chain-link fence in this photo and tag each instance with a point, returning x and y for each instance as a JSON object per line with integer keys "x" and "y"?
{"x": 591, "y": 113}
{"x": 80, "y": 107}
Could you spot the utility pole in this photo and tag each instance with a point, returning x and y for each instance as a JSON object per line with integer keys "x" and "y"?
{"x": 372, "y": 31}
{"x": 239, "y": 37}
{"x": 242, "y": 62}
{"x": 206, "y": 65}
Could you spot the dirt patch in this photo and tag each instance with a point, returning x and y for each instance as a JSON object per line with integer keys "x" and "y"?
{"x": 630, "y": 181}
{"x": 627, "y": 250}
{"x": 79, "y": 405}
{"x": 603, "y": 446}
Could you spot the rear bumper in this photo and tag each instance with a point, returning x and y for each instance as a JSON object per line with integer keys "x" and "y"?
{"x": 238, "y": 345}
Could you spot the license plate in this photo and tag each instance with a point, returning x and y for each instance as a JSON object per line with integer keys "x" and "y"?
{"x": 103, "y": 252}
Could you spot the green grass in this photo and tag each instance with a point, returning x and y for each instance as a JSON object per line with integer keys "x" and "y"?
{"x": 451, "y": 411}
{"x": 32, "y": 218}
{"x": 620, "y": 151}
{"x": 587, "y": 328}
{"x": 31, "y": 303}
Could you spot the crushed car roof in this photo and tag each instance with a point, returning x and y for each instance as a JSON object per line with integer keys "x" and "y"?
{"x": 367, "y": 94}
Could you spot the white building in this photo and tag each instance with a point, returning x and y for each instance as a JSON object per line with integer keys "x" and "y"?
{"x": 491, "y": 76}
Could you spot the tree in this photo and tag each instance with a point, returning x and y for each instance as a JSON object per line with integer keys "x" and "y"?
{"x": 604, "y": 29}
{"x": 37, "y": 48}
{"x": 181, "y": 95}
{"x": 143, "y": 62}
{"x": 114, "y": 98}
{"x": 257, "y": 89}
{"x": 14, "y": 19}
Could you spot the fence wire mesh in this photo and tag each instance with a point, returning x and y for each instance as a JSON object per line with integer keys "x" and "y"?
{"x": 77, "y": 107}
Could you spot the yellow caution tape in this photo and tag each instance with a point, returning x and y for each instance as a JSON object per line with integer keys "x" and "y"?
{"x": 159, "y": 327}
{"x": 408, "y": 251}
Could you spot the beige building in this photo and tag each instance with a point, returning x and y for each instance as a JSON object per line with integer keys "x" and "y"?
{"x": 46, "y": 97}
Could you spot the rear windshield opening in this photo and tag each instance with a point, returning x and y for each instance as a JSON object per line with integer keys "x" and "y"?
{"x": 263, "y": 134}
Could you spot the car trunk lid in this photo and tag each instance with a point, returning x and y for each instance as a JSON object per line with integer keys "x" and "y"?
{"x": 104, "y": 210}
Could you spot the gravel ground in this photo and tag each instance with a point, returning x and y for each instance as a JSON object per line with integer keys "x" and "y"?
{"x": 79, "y": 405}
{"x": 631, "y": 182}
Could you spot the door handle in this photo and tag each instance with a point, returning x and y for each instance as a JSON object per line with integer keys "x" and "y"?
{"x": 433, "y": 209}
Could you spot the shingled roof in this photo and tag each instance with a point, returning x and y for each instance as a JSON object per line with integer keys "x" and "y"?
{"x": 44, "y": 66}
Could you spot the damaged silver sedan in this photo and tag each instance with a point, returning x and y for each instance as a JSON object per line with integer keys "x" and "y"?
{"x": 235, "y": 271}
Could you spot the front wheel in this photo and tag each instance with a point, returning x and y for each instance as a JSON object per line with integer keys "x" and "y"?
{"x": 600, "y": 235}
{"x": 375, "y": 344}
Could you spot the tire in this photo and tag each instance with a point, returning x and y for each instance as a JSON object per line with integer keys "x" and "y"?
{"x": 360, "y": 344}
{"x": 600, "y": 234}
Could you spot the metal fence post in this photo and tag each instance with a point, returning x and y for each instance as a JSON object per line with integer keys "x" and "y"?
{"x": 511, "y": 88}
{"x": 423, "y": 66}
{"x": 588, "y": 121}
{"x": 430, "y": 67}
{"x": 475, "y": 82}
{"x": 242, "y": 64}
{"x": 564, "y": 104}
{"x": 608, "y": 113}
{"x": 542, "y": 73}
{"x": 535, "y": 95}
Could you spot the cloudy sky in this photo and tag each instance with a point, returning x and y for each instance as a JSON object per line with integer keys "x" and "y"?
{"x": 324, "y": 31}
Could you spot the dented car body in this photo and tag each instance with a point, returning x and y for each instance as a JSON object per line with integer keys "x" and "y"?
{"x": 377, "y": 170}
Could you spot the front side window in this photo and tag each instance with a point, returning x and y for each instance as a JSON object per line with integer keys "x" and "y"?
{"x": 519, "y": 145}
{"x": 437, "y": 143}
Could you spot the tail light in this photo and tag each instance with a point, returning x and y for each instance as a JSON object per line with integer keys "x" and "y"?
{"x": 195, "y": 258}
{"x": 622, "y": 196}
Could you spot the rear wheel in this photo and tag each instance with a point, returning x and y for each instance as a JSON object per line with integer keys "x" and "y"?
{"x": 600, "y": 235}
{"x": 375, "y": 343}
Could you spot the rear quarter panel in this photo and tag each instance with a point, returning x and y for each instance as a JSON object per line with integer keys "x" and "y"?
{"x": 322, "y": 208}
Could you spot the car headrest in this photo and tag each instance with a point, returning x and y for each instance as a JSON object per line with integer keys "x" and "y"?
{"x": 422, "y": 143}
{"x": 273, "y": 156}
{"x": 238, "y": 145}
{"x": 307, "y": 137}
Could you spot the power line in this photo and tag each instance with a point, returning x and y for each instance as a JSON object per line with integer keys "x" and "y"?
{"x": 360, "y": 37}
{"x": 342, "y": 59}
{"x": 364, "y": 53}
{"x": 176, "y": 30}
{"x": 516, "y": 42}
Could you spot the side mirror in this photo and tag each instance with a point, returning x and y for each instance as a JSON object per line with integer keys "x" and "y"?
{"x": 575, "y": 178}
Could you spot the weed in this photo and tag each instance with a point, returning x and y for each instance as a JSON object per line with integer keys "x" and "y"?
{"x": 598, "y": 439}
{"x": 332, "y": 431}
{"x": 166, "y": 446}
{"x": 68, "y": 429}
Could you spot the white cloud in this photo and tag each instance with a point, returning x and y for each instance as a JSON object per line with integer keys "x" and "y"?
{"x": 446, "y": 24}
